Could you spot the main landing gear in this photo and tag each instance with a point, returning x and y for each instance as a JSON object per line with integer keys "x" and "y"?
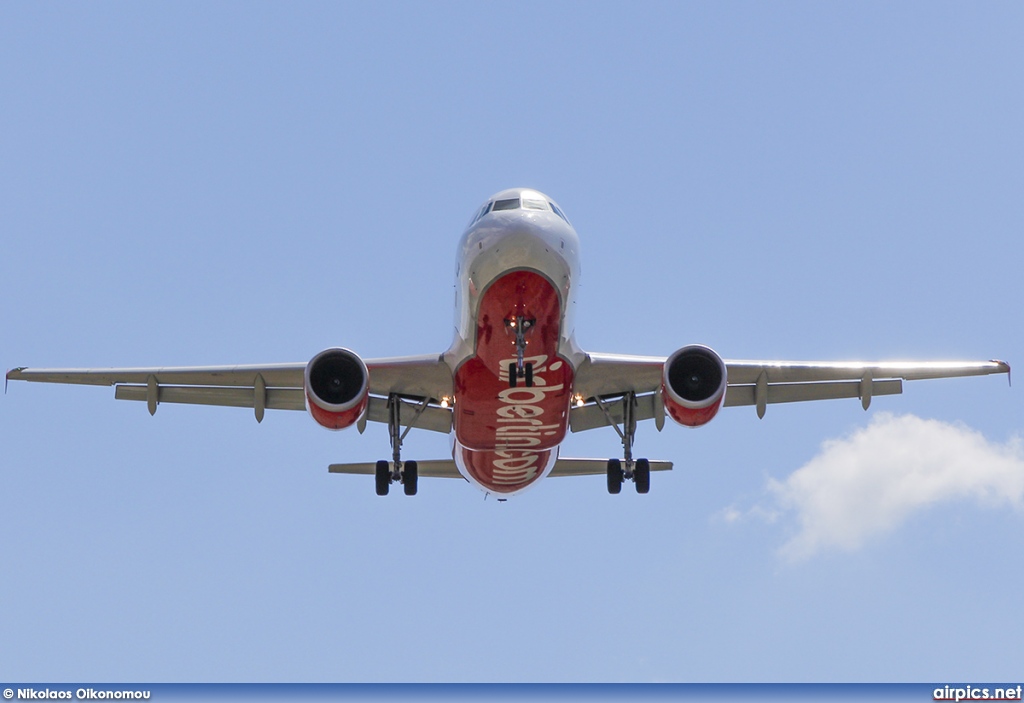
{"x": 397, "y": 471}
{"x": 619, "y": 471}
{"x": 519, "y": 369}
{"x": 408, "y": 475}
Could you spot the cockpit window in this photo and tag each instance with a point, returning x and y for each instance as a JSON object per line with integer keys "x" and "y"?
{"x": 486, "y": 208}
{"x": 510, "y": 204}
{"x": 529, "y": 203}
{"x": 559, "y": 213}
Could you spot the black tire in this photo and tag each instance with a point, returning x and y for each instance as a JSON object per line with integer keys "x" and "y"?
{"x": 512, "y": 375}
{"x": 383, "y": 475}
{"x": 529, "y": 375}
{"x": 410, "y": 477}
{"x": 614, "y": 476}
{"x": 642, "y": 475}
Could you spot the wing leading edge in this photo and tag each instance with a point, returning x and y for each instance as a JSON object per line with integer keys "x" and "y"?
{"x": 757, "y": 383}
{"x": 268, "y": 386}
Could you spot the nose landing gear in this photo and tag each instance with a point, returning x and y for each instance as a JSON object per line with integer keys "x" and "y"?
{"x": 520, "y": 325}
{"x": 525, "y": 373}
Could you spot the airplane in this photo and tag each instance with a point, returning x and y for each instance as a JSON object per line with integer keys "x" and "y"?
{"x": 514, "y": 381}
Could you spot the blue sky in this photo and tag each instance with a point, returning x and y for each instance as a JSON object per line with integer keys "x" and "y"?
{"x": 252, "y": 183}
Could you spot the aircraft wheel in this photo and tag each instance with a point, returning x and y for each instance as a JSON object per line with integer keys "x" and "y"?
{"x": 512, "y": 375}
{"x": 410, "y": 477}
{"x": 642, "y": 475}
{"x": 383, "y": 475}
{"x": 529, "y": 375}
{"x": 614, "y": 476}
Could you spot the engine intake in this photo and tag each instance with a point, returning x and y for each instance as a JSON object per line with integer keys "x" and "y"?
{"x": 693, "y": 385}
{"x": 337, "y": 388}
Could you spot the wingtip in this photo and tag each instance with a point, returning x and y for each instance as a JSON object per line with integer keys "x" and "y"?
{"x": 1004, "y": 368}
{"x": 12, "y": 373}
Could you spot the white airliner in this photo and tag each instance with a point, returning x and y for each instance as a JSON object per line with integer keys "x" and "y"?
{"x": 514, "y": 381}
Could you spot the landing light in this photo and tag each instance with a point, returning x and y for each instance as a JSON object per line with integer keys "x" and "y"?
{"x": 445, "y": 402}
{"x": 579, "y": 400}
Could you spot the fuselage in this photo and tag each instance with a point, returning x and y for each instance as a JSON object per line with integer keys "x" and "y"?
{"x": 517, "y": 265}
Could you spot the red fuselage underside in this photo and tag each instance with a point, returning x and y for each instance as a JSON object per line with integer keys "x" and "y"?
{"x": 507, "y": 436}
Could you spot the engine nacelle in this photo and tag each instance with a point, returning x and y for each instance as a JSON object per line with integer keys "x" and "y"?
{"x": 337, "y": 388}
{"x": 693, "y": 385}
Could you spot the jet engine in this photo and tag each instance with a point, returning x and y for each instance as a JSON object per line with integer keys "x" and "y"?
{"x": 337, "y": 388}
{"x": 693, "y": 385}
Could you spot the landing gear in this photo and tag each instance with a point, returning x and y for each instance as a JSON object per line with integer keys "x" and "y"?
{"x": 410, "y": 477}
{"x": 383, "y": 475}
{"x": 638, "y": 471}
{"x": 396, "y": 471}
{"x": 514, "y": 375}
{"x": 615, "y": 476}
{"x": 520, "y": 325}
{"x": 642, "y": 476}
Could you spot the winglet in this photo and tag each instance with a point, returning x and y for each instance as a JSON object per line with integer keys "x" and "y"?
{"x": 1004, "y": 368}
{"x": 8, "y": 376}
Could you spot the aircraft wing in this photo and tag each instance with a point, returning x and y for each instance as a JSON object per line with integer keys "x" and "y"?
{"x": 275, "y": 386}
{"x": 427, "y": 379}
{"x": 757, "y": 383}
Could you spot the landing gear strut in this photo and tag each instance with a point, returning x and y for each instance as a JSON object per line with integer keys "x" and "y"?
{"x": 520, "y": 325}
{"x": 638, "y": 471}
{"x": 406, "y": 473}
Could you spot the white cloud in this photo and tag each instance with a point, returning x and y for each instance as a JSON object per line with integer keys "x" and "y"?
{"x": 871, "y": 481}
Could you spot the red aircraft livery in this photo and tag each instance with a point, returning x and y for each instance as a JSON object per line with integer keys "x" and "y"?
{"x": 507, "y": 435}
